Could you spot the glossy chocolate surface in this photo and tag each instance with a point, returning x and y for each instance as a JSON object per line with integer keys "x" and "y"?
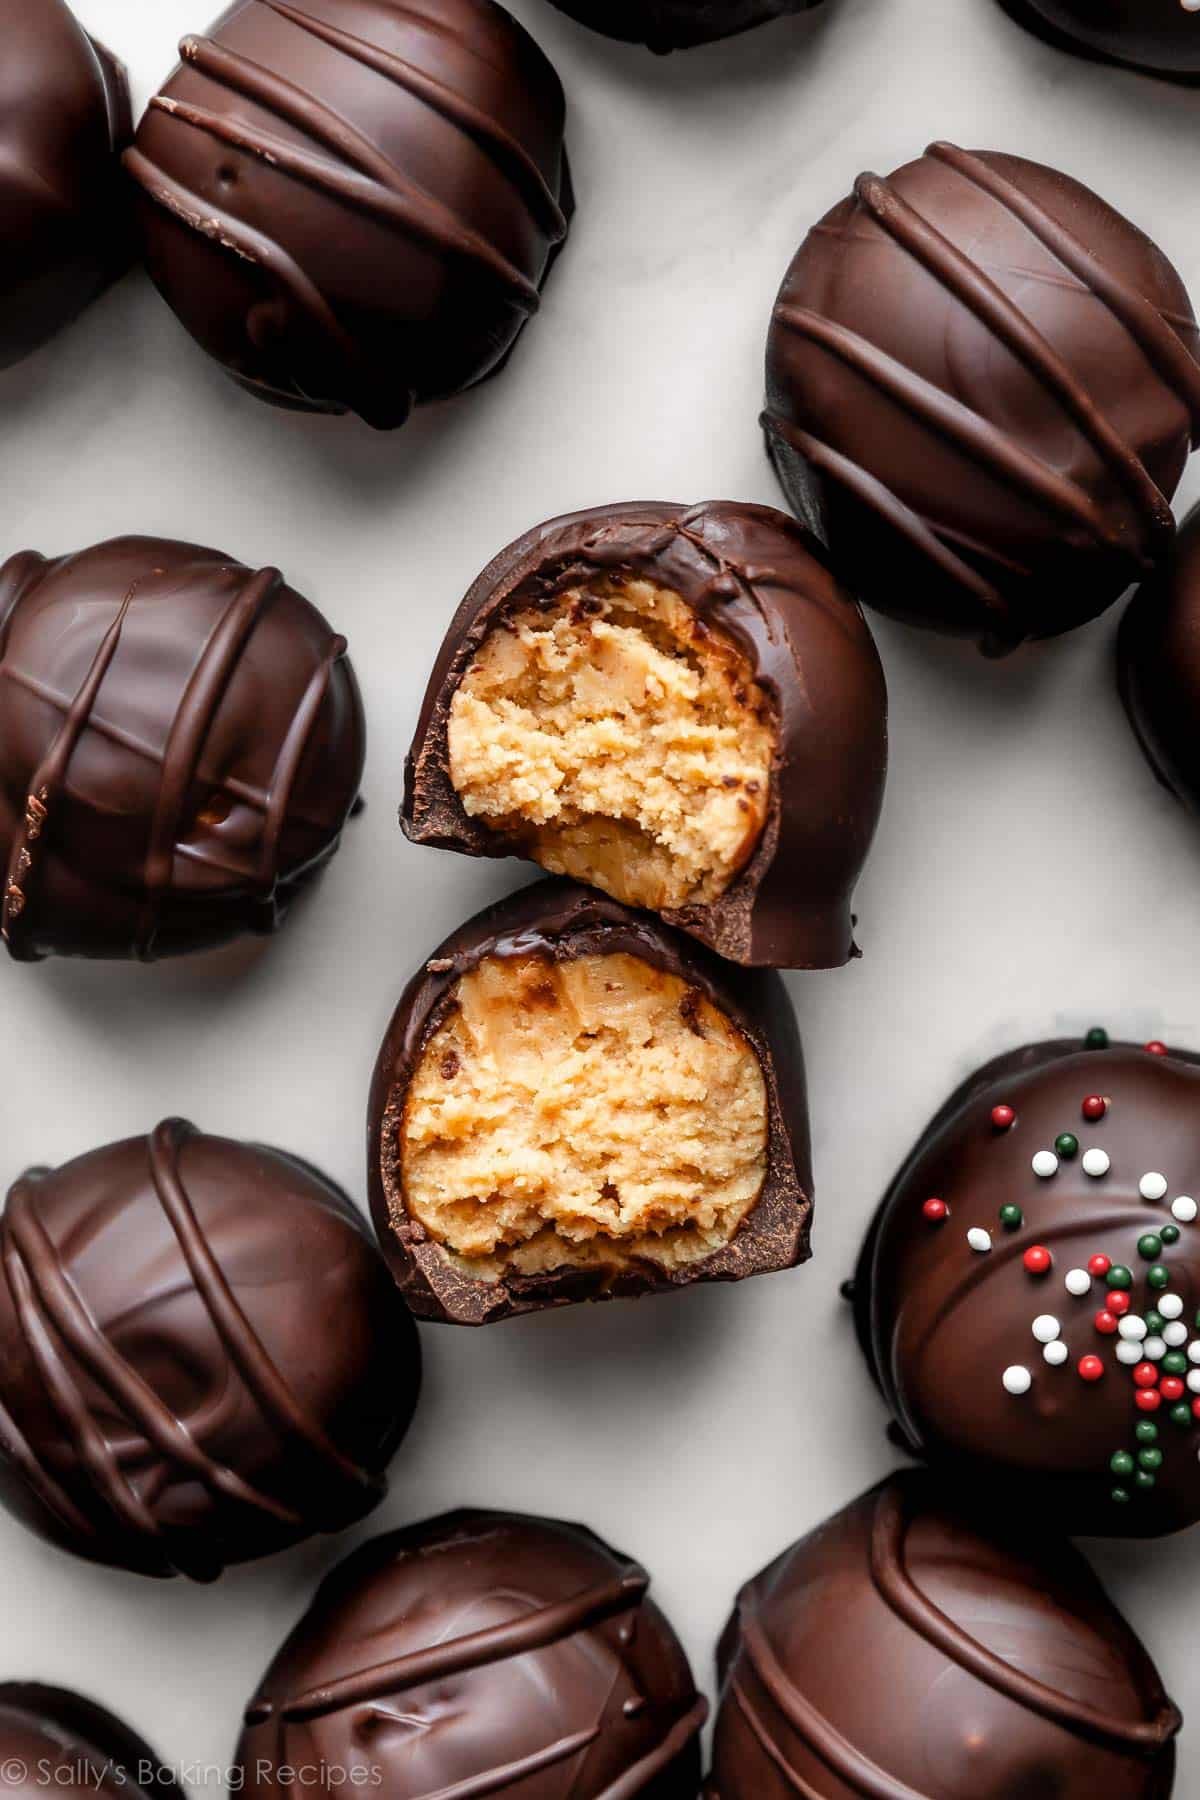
{"x": 1160, "y": 36}
{"x": 664, "y": 25}
{"x": 64, "y": 213}
{"x": 54, "y": 1740}
{"x": 1158, "y": 667}
{"x": 181, "y": 743}
{"x": 982, "y": 388}
{"x": 352, "y": 204}
{"x": 202, "y": 1358}
{"x": 561, "y": 921}
{"x": 483, "y": 1653}
{"x": 944, "y": 1319}
{"x": 752, "y": 573}
{"x": 902, "y": 1653}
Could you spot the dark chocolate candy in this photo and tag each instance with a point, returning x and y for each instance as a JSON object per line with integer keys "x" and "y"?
{"x": 64, "y": 214}
{"x": 1161, "y": 36}
{"x": 1158, "y": 667}
{"x": 559, "y": 922}
{"x": 752, "y": 575}
{"x": 982, "y": 383}
{"x": 54, "y": 1740}
{"x": 902, "y": 1653}
{"x": 352, "y": 204}
{"x": 482, "y": 1653}
{"x": 664, "y": 25}
{"x": 1094, "y": 1429}
{"x": 181, "y": 742}
{"x": 202, "y": 1358}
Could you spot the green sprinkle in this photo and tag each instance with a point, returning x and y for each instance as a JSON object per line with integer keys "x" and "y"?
{"x": 1144, "y": 1479}
{"x": 1155, "y": 1323}
{"x": 1150, "y": 1459}
{"x": 1175, "y": 1363}
{"x": 1169, "y": 1234}
{"x": 1182, "y": 1414}
{"x": 1120, "y": 1277}
{"x": 1122, "y": 1463}
{"x": 1011, "y": 1217}
{"x": 1067, "y": 1145}
{"x": 1146, "y": 1431}
{"x": 1150, "y": 1247}
{"x": 1158, "y": 1276}
{"x": 1120, "y": 1496}
{"x": 1096, "y": 1039}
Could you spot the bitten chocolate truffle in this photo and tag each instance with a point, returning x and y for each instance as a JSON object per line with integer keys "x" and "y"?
{"x": 353, "y": 204}
{"x": 482, "y": 1653}
{"x": 1161, "y": 36}
{"x": 664, "y": 25}
{"x": 1028, "y": 1293}
{"x": 64, "y": 216}
{"x": 202, "y": 1357}
{"x": 181, "y": 743}
{"x": 51, "y": 1739}
{"x": 902, "y": 1653}
{"x": 1158, "y": 668}
{"x": 575, "y": 1103}
{"x": 982, "y": 387}
{"x": 677, "y": 705}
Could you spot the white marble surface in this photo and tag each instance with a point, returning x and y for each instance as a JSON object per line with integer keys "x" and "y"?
{"x": 1028, "y": 876}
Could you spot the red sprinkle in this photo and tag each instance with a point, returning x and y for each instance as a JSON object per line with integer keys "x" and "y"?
{"x": 1002, "y": 1117}
{"x": 936, "y": 1211}
{"x": 1094, "y": 1107}
{"x": 1106, "y": 1322}
{"x": 1196, "y": 1407}
{"x": 1171, "y": 1389}
{"x": 1090, "y": 1368}
{"x": 1099, "y": 1265}
{"x": 1119, "y": 1302}
{"x": 1156, "y": 1047}
{"x": 1147, "y": 1399}
{"x": 1145, "y": 1375}
{"x": 1037, "y": 1259}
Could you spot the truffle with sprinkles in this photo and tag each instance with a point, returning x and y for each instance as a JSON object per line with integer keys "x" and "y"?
{"x": 1037, "y": 1333}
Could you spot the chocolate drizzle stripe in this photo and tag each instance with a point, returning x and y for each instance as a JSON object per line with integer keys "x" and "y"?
{"x": 498, "y": 1781}
{"x": 291, "y": 757}
{"x": 969, "y": 431}
{"x": 895, "y": 1585}
{"x": 769, "y": 1747}
{"x": 535, "y": 1630}
{"x": 17, "y": 1449}
{"x": 1166, "y": 353}
{"x": 246, "y": 1350}
{"x": 980, "y": 295}
{"x": 637, "y": 1779}
{"x": 822, "y": 1738}
{"x": 187, "y": 737}
{"x": 508, "y": 154}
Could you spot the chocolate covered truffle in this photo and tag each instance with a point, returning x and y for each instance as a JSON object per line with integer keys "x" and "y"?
{"x": 1161, "y": 36}
{"x": 575, "y": 1103}
{"x": 353, "y": 204}
{"x": 664, "y": 25}
{"x": 181, "y": 742}
{"x": 51, "y": 1739}
{"x": 64, "y": 216}
{"x": 202, "y": 1357}
{"x": 482, "y": 1653}
{"x": 903, "y": 1653}
{"x": 1028, "y": 1293}
{"x": 982, "y": 387}
{"x": 677, "y": 705}
{"x": 1158, "y": 667}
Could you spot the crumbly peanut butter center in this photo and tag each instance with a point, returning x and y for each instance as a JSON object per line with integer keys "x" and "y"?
{"x": 620, "y": 741}
{"x": 582, "y": 1113}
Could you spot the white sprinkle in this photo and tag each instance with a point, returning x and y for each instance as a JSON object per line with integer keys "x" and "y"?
{"x": 1078, "y": 1282}
{"x": 1190, "y": 5}
{"x": 1194, "y": 1350}
{"x": 1152, "y": 1186}
{"x": 1056, "y": 1354}
{"x": 1095, "y": 1162}
{"x": 1045, "y": 1164}
{"x": 1193, "y": 1380}
{"x": 1185, "y": 1209}
{"x": 1132, "y": 1329}
{"x": 1017, "y": 1380}
{"x": 1175, "y": 1334}
{"x": 1046, "y": 1328}
{"x": 1154, "y": 1349}
{"x": 1170, "y": 1306}
{"x": 1128, "y": 1353}
{"x": 979, "y": 1239}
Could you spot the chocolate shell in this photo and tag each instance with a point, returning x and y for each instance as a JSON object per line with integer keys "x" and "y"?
{"x": 1159, "y": 36}
{"x": 65, "y": 226}
{"x": 554, "y": 924}
{"x": 982, "y": 387}
{"x": 181, "y": 743}
{"x": 53, "y": 1739}
{"x": 353, "y": 204}
{"x": 1028, "y": 1293}
{"x": 664, "y": 25}
{"x": 754, "y": 580}
{"x": 1158, "y": 667}
{"x": 482, "y": 1653}
{"x": 900, "y": 1653}
{"x": 202, "y": 1359}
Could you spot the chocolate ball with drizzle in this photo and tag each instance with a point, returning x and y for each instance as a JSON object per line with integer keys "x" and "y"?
{"x": 1160, "y": 36}
{"x": 352, "y": 204}
{"x": 1027, "y": 1296}
{"x": 53, "y": 1739}
{"x": 202, "y": 1356}
{"x": 181, "y": 743}
{"x": 982, "y": 387}
{"x": 665, "y": 25}
{"x": 903, "y": 1651}
{"x": 482, "y": 1653}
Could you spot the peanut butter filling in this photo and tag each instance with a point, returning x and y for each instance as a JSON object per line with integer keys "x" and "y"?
{"x": 582, "y": 1113}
